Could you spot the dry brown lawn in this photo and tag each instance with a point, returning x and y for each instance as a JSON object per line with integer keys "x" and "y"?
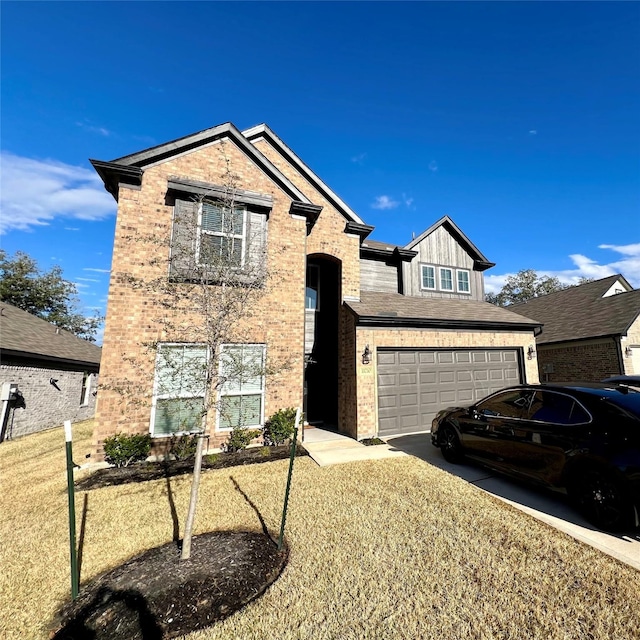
{"x": 387, "y": 549}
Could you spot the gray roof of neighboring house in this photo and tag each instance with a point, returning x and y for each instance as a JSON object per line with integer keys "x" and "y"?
{"x": 581, "y": 312}
{"x": 394, "y": 309}
{"x": 26, "y": 335}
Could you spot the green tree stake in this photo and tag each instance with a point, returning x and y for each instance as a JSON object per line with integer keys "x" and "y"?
{"x": 72, "y": 512}
{"x": 286, "y": 494}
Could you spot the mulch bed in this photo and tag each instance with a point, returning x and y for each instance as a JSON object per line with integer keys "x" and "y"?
{"x": 145, "y": 471}
{"x": 156, "y": 595}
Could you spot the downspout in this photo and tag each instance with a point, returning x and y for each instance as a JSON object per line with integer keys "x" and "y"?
{"x": 617, "y": 340}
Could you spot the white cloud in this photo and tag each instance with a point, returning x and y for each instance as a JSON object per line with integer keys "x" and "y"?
{"x": 433, "y": 166}
{"x": 628, "y": 265}
{"x": 407, "y": 200}
{"x": 533, "y": 132}
{"x": 359, "y": 158}
{"x": 385, "y": 202}
{"x": 93, "y": 129}
{"x": 88, "y": 279}
{"x": 97, "y": 270}
{"x": 34, "y": 192}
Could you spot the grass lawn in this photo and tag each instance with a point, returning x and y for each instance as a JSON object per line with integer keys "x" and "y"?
{"x": 383, "y": 549}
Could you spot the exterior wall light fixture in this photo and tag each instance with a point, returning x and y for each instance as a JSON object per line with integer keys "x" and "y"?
{"x": 628, "y": 352}
{"x": 531, "y": 352}
{"x": 366, "y": 355}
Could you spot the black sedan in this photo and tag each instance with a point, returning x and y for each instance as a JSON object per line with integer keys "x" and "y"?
{"x": 583, "y": 439}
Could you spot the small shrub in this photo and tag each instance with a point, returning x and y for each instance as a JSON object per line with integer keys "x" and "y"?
{"x": 369, "y": 442}
{"x": 240, "y": 438}
{"x": 279, "y": 427}
{"x": 211, "y": 458}
{"x": 182, "y": 447}
{"x": 123, "y": 449}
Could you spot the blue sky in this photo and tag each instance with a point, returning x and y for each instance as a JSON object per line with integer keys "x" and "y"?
{"x": 519, "y": 120}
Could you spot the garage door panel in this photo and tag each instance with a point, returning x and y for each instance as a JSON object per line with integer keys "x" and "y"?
{"x": 414, "y": 385}
{"x": 386, "y": 380}
{"x": 426, "y": 357}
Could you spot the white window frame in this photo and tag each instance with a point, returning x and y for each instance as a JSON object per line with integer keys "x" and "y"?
{"x": 85, "y": 390}
{"x": 238, "y": 236}
{"x": 459, "y": 290}
{"x": 222, "y": 393}
{"x": 435, "y": 281}
{"x": 451, "y": 271}
{"x": 157, "y": 396}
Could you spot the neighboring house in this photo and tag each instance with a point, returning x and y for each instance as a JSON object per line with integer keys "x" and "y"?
{"x": 55, "y": 374}
{"x": 379, "y": 336}
{"x": 590, "y": 331}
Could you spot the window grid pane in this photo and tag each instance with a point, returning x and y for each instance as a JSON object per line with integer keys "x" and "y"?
{"x": 428, "y": 277}
{"x": 463, "y": 281}
{"x": 242, "y": 370}
{"x": 446, "y": 280}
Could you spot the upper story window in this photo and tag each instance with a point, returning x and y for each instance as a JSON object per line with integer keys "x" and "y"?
{"x": 222, "y": 235}
{"x": 464, "y": 285}
{"x": 212, "y": 242}
{"x": 446, "y": 279}
{"x": 428, "y": 277}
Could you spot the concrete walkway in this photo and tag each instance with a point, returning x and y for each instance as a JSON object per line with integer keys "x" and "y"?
{"x": 328, "y": 447}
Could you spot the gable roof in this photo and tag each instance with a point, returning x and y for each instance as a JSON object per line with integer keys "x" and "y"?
{"x": 581, "y": 312}
{"x": 23, "y": 334}
{"x": 394, "y": 309}
{"x": 481, "y": 262}
{"x": 263, "y": 132}
{"x": 129, "y": 169}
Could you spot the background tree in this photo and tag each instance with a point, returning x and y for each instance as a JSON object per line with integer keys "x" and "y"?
{"x": 45, "y": 294}
{"x": 527, "y": 284}
{"x": 202, "y": 314}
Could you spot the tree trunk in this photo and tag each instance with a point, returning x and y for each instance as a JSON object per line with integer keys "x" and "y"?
{"x": 193, "y": 500}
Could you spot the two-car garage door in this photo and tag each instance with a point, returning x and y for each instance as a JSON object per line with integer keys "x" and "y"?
{"x": 413, "y": 385}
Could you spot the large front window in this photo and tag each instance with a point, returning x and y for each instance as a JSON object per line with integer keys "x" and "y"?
{"x": 242, "y": 386}
{"x": 180, "y": 380}
{"x": 222, "y": 235}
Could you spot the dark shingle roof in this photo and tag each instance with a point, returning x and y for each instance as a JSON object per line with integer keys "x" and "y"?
{"x": 395, "y": 309}
{"x": 581, "y": 312}
{"x": 24, "y": 334}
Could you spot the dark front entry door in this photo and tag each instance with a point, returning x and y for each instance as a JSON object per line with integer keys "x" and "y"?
{"x": 321, "y": 374}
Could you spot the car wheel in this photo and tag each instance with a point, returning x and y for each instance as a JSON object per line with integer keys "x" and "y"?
{"x": 601, "y": 498}
{"x": 449, "y": 444}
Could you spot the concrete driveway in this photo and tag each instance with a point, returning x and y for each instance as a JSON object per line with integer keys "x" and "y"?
{"x": 552, "y": 508}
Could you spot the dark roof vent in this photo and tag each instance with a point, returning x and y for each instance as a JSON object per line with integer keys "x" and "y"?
{"x": 388, "y": 314}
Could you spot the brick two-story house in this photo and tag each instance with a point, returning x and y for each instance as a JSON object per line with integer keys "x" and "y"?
{"x": 378, "y": 336}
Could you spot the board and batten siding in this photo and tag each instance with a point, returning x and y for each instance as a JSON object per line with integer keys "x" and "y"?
{"x": 377, "y": 275}
{"x": 441, "y": 249}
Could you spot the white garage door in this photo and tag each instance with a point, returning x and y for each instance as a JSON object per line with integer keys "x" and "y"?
{"x": 414, "y": 385}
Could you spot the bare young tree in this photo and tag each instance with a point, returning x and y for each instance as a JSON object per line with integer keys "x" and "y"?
{"x": 206, "y": 364}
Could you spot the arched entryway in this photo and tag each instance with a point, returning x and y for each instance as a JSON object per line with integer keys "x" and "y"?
{"x": 322, "y": 308}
